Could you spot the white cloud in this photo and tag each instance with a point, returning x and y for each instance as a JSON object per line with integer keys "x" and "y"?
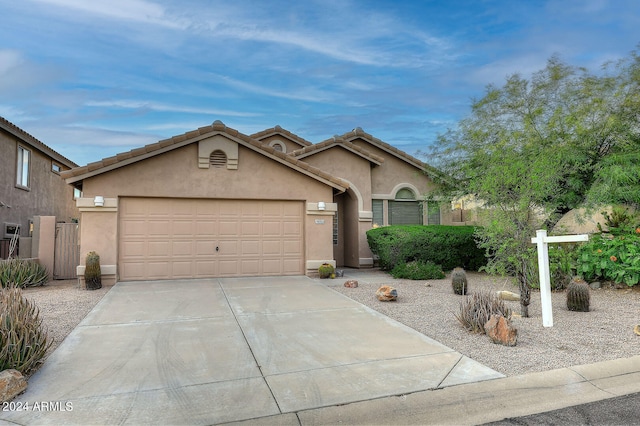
{"x": 157, "y": 106}
{"x": 131, "y": 10}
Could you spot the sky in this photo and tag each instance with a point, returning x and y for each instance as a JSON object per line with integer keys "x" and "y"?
{"x": 95, "y": 78}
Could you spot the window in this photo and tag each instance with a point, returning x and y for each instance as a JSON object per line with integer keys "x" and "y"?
{"x": 77, "y": 193}
{"x": 433, "y": 213}
{"x": 378, "y": 212}
{"x": 56, "y": 168}
{"x": 405, "y": 210}
{"x": 335, "y": 229}
{"x": 24, "y": 160}
{"x": 218, "y": 159}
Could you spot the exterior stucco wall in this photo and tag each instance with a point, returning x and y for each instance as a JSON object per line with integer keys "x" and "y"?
{"x": 47, "y": 195}
{"x": 176, "y": 174}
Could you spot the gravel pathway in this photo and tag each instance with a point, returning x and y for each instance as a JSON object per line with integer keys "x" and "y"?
{"x": 576, "y": 338}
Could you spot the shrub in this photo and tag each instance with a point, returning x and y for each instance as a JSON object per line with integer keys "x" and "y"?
{"x": 611, "y": 258}
{"x": 477, "y": 308}
{"x": 22, "y": 273}
{"x": 447, "y": 246}
{"x": 92, "y": 272}
{"x": 23, "y": 341}
{"x": 578, "y": 296}
{"x": 418, "y": 270}
{"x": 459, "y": 281}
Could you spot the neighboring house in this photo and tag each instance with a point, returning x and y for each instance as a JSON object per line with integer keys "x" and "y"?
{"x": 30, "y": 185}
{"x": 214, "y": 202}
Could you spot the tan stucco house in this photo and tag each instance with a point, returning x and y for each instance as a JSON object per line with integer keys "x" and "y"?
{"x": 30, "y": 186}
{"x": 215, "y": 202}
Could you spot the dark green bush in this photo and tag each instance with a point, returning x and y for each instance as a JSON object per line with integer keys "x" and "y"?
{"x": 23, "y": 341}
{"x": 418, "y": 270}
{"x": 447, "y": 246}
{"x": 22, "y": 273}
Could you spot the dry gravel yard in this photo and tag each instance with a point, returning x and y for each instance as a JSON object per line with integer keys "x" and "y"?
{"x": 576, "y": 338}
{"x": 604, "y": 333}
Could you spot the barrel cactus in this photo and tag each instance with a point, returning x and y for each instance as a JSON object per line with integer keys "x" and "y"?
{"x": 459, "y": 281}
{"x": 92, "y": 273}
{"x": 578, "y": 296}
{"x": 326, "y": 270}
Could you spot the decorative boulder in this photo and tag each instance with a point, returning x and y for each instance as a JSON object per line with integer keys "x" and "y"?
{"x": 387, "y": 294}
{"x": 500, "y": 330}
{"x": 636, "y": 329}
{"x": 12, "y": 383}
{"x": 508, "y": 295}
{"x": 351, "y": 284}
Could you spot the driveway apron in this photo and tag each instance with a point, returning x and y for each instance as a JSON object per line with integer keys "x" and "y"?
{"x": 230, "y": 349}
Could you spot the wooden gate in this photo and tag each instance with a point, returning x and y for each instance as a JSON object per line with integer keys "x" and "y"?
{"x": 67, "y": 251}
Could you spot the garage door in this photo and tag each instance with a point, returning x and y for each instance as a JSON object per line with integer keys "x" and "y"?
{"x": 187, "y": 238}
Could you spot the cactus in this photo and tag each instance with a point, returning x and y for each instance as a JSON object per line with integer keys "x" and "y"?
{"x": 92, "y": 273}
{"x": 459, "y": 281}
{"x": 325, "y": 270}
{"x": 578, "y": 295}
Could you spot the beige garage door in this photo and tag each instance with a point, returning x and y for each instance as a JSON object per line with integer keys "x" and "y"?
{"x": 163, "y": 238}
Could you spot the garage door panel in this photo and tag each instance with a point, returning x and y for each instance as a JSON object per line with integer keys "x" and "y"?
{"x": 270, "y": 247}
{"x": 176, "y": 238}
{"x": 158, "y": 248}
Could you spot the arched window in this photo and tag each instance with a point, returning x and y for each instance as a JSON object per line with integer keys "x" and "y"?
{"x": 218, "y": 159}
{"x": 405, "y": 210}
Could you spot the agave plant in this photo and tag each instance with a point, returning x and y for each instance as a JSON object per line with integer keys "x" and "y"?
{"x": 22, "y": 273}
{"x": 23, "y": 340}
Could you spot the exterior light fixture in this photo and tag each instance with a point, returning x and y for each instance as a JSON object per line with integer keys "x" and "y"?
{"x": 321, "y": 205}
{"x": 98, "y": 201}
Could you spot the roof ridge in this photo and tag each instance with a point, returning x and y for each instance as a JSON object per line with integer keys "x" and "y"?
{"x": 337, "y": 140}
{"x": 282, "y": 131}
{"x": 216, "y": 126}
{"x": 27, "y": 137}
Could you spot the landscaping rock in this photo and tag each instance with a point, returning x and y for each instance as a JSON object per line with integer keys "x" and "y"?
{"x": 387, "y": 294}
{"x": 636, "y": 329}
{"x": 351, "y": 284}
{"x": 12, "y": 383}
{"x": 500, "y": 330}
{"x": 595, "y": 285}
{"x": 507, "y": 295}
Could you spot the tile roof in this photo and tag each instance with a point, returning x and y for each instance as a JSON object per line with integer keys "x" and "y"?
{"x": 279, "y": 130}
{"x": 340, "y": 142}
{"x": 138, "y": 154}
{"x": 31, "y": 140}
{"x": 358, "y": 133}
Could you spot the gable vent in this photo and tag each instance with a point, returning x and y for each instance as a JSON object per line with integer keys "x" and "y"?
{"x": 218, "y": 159}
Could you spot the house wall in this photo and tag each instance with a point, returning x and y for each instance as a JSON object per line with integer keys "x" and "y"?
{"x": 48, "y": 194}
{"x": 176, "y": 174}
{"x": 356, "y": 204}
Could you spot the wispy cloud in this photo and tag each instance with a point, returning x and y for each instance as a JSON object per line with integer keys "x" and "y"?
{"x": 156, "y": 106}
{"x": 131, "y": 10}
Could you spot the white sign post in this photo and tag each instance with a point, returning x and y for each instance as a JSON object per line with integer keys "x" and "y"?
{"x": 543, "y": 241}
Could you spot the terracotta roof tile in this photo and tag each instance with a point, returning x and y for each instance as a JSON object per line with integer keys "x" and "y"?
{"x": 279, "y": 130}
{"x": 30, "y": 139}
{"x": 196, "y": 135}
{"x": 337, "y": 141}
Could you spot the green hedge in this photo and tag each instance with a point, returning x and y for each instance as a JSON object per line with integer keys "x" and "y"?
{"x": 447, "y": 246}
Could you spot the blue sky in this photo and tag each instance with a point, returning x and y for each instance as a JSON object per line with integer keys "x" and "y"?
{"x": 95, "y": 78}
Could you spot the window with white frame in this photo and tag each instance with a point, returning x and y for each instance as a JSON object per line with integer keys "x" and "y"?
{"x": 23, "y": 167}
{"x": 405, "y": 209}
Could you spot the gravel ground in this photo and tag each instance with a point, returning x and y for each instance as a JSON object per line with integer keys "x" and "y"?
{"x": 576, "y": 338}
{"x": 62, "y": 306}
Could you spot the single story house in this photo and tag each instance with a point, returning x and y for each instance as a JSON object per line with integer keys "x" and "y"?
{"x": 215, "y": 202}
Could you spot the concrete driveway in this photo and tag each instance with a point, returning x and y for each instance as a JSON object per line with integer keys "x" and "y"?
{"x": 224, "y": 350}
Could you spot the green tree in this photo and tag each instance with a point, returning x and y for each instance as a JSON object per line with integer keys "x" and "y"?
{"x": 534, "y": 149}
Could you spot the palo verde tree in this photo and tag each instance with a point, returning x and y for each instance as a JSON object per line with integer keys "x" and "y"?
{"x": 536, "y": 148}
